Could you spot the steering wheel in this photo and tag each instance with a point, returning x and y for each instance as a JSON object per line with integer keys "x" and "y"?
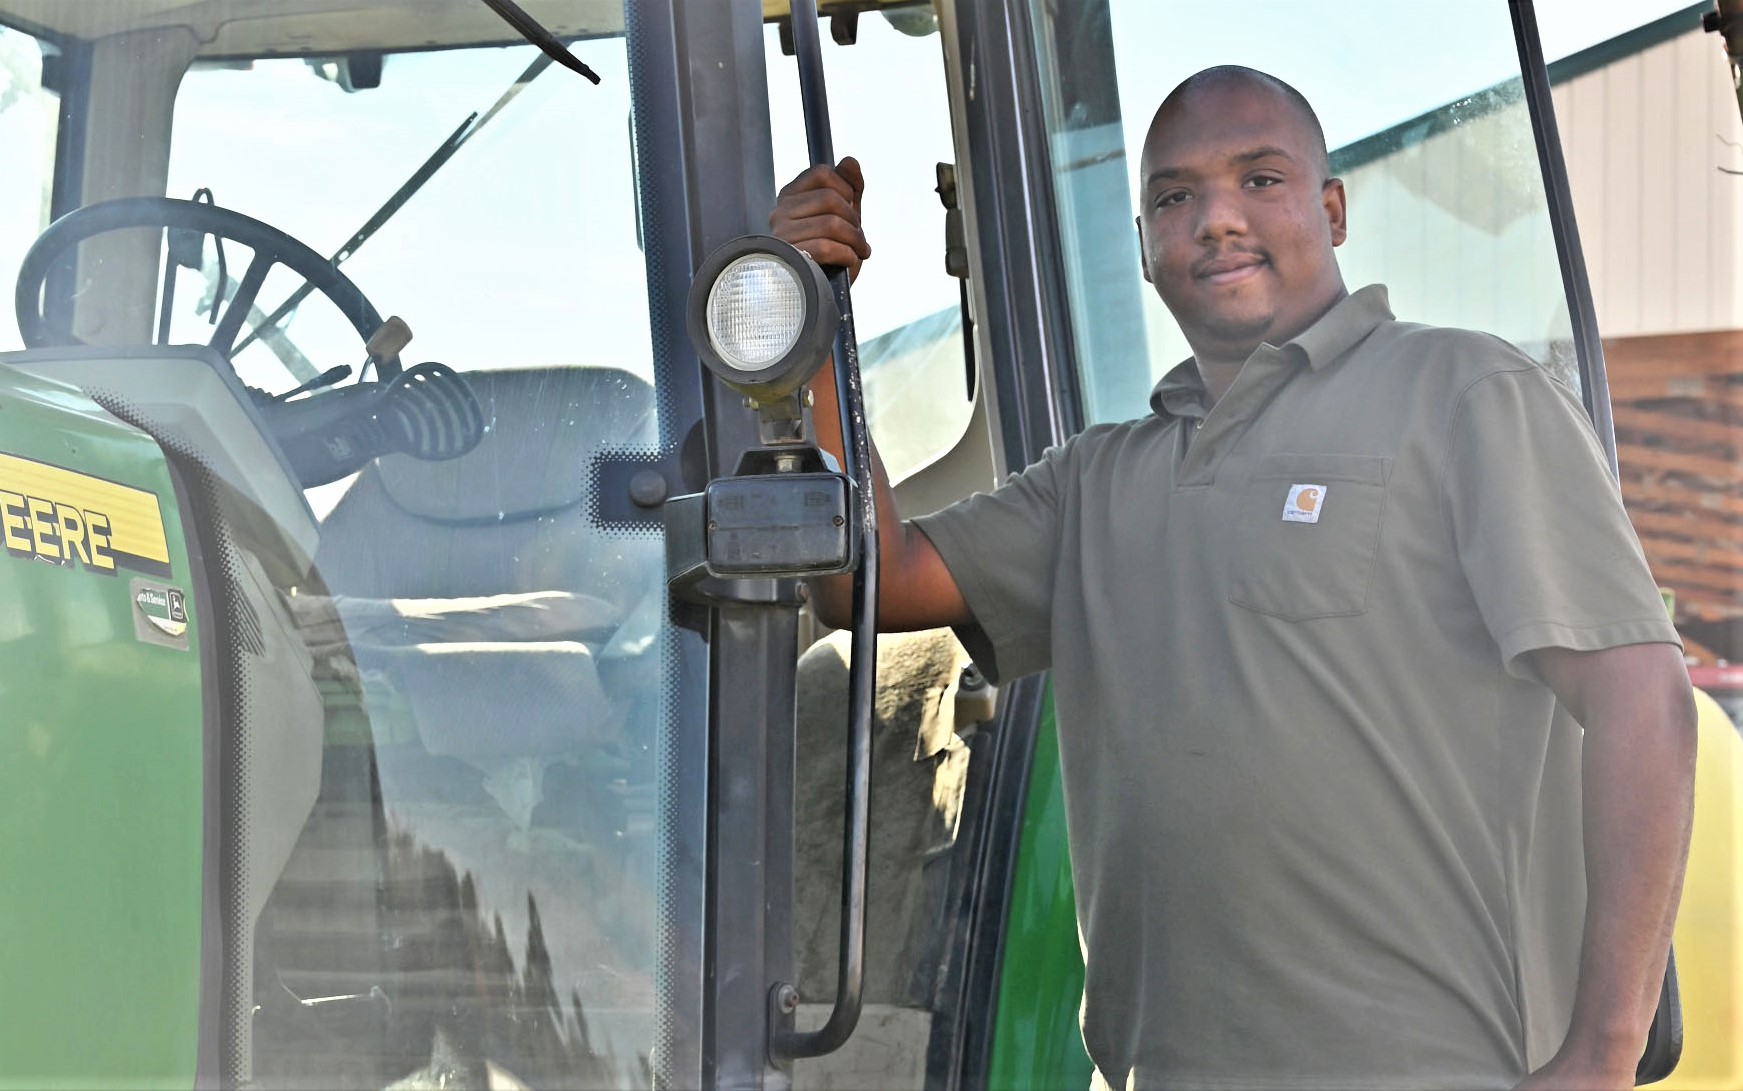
{"x": 270, "y": 246}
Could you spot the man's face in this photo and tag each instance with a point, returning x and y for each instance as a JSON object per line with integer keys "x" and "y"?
{"x": 1237, "y": 222}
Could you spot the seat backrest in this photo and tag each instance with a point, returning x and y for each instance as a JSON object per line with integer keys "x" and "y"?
{"x": 474, "y": 538}
{"x": 511, "y": 515}
{"x": 919, "y": 769}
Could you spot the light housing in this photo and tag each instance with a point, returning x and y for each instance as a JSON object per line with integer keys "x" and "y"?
{"x": 761, "y": 315}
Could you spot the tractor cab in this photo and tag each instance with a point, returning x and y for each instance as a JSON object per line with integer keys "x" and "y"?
{"x": 385, "y": 706}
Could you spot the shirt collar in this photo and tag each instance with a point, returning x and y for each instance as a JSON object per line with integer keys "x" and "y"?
{"x": 1181, "y": 392}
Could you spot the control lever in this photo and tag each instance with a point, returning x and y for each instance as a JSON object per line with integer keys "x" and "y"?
{"x": 428, "y": 412}
{"x": 320, "y": 382}
{"x": 385, "y": 345}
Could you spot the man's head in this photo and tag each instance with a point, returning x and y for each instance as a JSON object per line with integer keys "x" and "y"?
{"x": 1237, "y": 215}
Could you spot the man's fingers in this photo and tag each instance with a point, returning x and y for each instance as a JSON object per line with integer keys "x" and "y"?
{"x": 827, "y": 252}
{"x": 818, "y": 215}
{"x": 818, "y": 212}
{"x": 831, "y": 229}
{"x": 797, "y": 225}
{"x": 822, "y": 178}
{"x": 849, "y": 172}
{"x": 816, "y": 202}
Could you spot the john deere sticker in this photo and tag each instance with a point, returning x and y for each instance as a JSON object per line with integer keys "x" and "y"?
{"x": 52, "y": 514}
{"x": 160, "y": 614}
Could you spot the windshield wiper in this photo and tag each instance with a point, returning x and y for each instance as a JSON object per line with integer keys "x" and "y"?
{"x": 467, "y": 129}
{"x": 530, "y": 29}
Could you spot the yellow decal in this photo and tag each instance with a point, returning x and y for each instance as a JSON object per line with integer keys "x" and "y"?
{"x": 63, "y": 516}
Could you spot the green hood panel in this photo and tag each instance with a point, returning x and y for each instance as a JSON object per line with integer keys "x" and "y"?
{"x": 101, "y": 752}
{"x": 1037, "y": 1042}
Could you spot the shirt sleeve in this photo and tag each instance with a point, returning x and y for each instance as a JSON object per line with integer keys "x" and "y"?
{"x": 1001, "y": 549}
{"x": 1541, "y": 534}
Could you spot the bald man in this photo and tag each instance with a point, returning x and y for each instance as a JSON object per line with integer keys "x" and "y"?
{"x": 1377, "y": 743}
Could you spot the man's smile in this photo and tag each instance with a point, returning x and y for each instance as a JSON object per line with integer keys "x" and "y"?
{"x": 1229, "y": 268}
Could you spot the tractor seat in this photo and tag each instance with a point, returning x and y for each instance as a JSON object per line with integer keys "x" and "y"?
{"x": 479, "y": 593}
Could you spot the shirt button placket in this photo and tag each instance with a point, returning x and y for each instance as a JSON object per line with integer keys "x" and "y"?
{"x": 1263, "y": 373}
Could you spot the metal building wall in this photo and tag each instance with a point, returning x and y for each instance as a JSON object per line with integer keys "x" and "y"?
{"x": 1646, "y": 139}
{"x": 1649, "y": 138}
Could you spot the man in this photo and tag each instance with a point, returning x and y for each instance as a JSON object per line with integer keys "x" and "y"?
{"x": 1317, "y": 628}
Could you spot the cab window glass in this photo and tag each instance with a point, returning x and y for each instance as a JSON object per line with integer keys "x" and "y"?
{"x": 459, "y": 868}
{"x": 531, "y": 230}
{"x": 28, "y": 120}
{"x": 889, "y": 109}
{"x": 1445, "y": 197}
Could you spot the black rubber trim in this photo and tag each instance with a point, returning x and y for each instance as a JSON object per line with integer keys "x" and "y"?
{"x": 964, "y": 1063}
{"x": 1594, "y": 387}
{"x": 208, "y": 1073}
{"x": 1664, "y": 1042}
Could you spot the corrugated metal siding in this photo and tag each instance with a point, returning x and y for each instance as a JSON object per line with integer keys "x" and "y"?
{"x": 1646, "y": 137}
{"x": 1662, "y": 225}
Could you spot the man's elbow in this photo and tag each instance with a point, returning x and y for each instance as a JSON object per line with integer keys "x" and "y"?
{"x": 1635, "y": 700}
{"x": 1679, "y": 741}
{"x": 1675, "y": 698}
{"x": 1674, "y": 695}
{"x": 1683, "y": 719}
{"x": 832, "y": 600}
{"x": 1668, "y": 719}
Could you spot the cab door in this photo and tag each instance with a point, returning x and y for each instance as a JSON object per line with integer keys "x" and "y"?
{"x": 1469, "y": 221}
{"x": 445, "y": 784}
{"x": 1459, "y": 203}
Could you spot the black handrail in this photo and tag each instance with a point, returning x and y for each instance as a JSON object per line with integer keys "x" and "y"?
{"x": 856, "y": 463}
{"x": 1588, "y": 346}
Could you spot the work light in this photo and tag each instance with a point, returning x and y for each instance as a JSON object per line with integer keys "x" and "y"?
{"x": 761, "y": 315}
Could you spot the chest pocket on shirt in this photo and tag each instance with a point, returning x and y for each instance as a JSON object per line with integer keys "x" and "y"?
{"x": 1306, "y": 530}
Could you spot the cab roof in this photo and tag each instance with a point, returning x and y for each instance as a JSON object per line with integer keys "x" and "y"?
{"x": 254, "y": 28}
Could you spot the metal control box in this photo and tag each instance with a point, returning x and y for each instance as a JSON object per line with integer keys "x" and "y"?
{"x": 789, "y": 524}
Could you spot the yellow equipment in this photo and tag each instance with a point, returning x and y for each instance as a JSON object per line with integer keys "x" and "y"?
{"x": 1709, "y": 926}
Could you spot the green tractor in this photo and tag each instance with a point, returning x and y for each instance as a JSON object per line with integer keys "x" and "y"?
{"x": 405, "y": 660}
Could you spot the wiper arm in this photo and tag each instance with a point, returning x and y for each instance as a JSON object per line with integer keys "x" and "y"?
{"x": 528, "y": 27}
{"x": 467, "y": 129}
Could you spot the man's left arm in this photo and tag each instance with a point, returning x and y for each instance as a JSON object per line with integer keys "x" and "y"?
{"x": 1637, "y": 709}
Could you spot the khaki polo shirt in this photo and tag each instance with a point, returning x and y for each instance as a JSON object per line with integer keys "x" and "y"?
{"x": 1324, "y": 820}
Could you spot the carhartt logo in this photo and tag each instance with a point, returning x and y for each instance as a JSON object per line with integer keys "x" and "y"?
{"x": 1304, "y": 504}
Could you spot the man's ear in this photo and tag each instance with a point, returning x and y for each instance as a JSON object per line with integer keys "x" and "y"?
{"x": 1143, "y": 265}
{"x": 1336, "y": 204}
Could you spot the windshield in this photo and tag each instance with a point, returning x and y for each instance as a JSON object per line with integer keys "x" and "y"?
{"x": 451, "y": 708}
{"x": 510, "y": 255}
{"x": 515, "y": 738}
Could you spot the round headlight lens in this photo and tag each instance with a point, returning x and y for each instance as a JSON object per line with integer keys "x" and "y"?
{"x": 756, "y": 312}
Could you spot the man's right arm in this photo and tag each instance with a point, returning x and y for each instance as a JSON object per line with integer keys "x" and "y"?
{"x": 818, "y": 212}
